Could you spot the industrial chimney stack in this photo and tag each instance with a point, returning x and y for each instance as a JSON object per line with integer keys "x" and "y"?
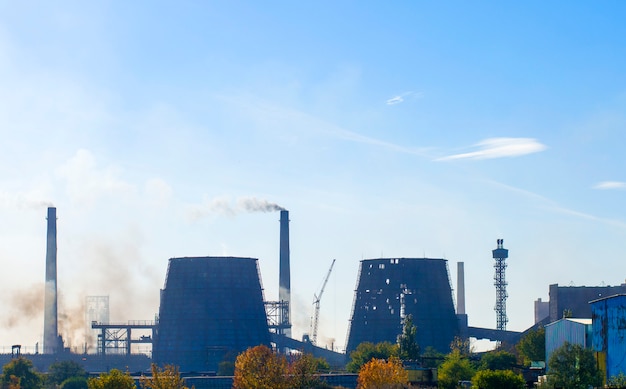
{"x": 50, "y": 322}
{"x": 284, "y": 292}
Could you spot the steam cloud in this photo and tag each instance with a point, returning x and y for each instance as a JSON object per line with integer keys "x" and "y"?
{"x": 223, "y": 205}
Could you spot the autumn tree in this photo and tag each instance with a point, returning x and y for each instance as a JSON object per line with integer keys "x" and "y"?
{"x": 381, "y": 374}
{"x": 456, "y": 367}
{"x": 260, "y": 368}
{"x": 572, "y": 366}
{"x": 302, "y": 372}
{"x": 532, "y": 346}
{"x": 20, "y": 374}
{"x": 165, "y": 378}
{"x": 114, "y": 379}
{"x": 498, "y": 379}
{"x": 367, "y": 351}
{"x": 408, "y": 348}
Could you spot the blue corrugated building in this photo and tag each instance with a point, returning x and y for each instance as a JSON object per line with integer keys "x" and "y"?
{"x": 573, "y": 331}
{"x": 609, "y": 333}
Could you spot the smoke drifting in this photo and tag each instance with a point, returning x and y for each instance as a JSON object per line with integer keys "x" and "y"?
{"x": 224, "y": 206}
{"x": 22, "y": 201}
{"x": 251, "y": 204}
{"x": 25, "y": 304}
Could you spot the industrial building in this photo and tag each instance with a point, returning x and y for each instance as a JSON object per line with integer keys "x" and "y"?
{"x": 210, "y": 307}
{"x": 609, "y": 324}
{"x": 573, "y": 331}
{"x": 575, "y": 299}
{"x": 389, "y": 289}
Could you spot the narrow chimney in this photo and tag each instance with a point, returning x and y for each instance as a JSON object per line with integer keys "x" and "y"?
{"x": 284, "y": 292}
{"x": 460, "y": 289}
{"x": 50, "y": 323}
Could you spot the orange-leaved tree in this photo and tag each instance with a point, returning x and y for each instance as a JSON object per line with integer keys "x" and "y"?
{"x": 260, "y": 368}
{"x": 379, "y": 374}
{"x": 166, "y": 378}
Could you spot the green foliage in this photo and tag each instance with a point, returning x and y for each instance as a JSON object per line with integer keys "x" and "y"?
{"x": 62, "y": 370}
{"x": 408, "y": 349}
{"x": 497, "y": 360}
{"x": 498, "y": 379}
{"x": 618, "y": 381}
{"x": 532, "y": 346}
{"x": 432, "y": 358}
{"x": 165, "y": 378}
{"x": 74, "y": 383}
{"x": 456, "y": 367}
{"x": 114, "y": 379}
{"x": 21, "y": 373}
{"x": 367, "y": 351}
{"x": 226, "y": 368}
{"x": 574, "y": 367}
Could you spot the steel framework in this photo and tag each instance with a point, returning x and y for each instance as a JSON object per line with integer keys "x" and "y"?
{"x": 500, "y": 255}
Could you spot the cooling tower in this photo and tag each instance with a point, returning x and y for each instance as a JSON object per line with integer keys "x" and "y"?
{"x": 50, "y": 319}
{"x": 210, "y": 307}
{"x": 284, "y": 280}
{"x": 391, "y": 288}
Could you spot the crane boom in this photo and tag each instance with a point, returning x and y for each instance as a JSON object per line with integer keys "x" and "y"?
{"x": 316, "y": 303}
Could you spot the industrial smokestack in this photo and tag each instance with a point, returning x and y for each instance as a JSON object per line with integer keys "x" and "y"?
{"x": 50, "y": 320}
{"x": 460, "y": 289}
{"x": 284, "y": 292}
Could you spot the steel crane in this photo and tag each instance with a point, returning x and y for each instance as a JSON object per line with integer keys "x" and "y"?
{"x": 316, "y": 302}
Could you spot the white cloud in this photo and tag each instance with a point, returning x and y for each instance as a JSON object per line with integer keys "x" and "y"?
{"x": 158, "y": 192}
{"x": 395, "y": 100}
{"x": 500, "y": 148}
{"x": 85, "y": 182}
{"x": 604, "y": 185}
{"x": 400, "y": 98}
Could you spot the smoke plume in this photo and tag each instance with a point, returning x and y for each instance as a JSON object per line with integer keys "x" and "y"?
{"x": 224, "y": 206}
{"x": 25, "y": 304}
{"x": 251, "y": 204}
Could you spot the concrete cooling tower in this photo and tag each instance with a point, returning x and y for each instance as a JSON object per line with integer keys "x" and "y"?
{"x": 210, "y": 307}
{"x": 388, "y": 289}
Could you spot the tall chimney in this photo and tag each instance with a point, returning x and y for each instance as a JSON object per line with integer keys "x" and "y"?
{"x": 284, "y": 292}
{"x": 460, "y": 288}
{"x": 50, "y": 323}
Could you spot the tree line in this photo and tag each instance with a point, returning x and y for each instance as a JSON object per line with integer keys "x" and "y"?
{"x": 380, "y": 365}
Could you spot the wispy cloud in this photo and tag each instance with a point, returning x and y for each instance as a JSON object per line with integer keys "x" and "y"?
{"x": 500, "y": 148}
{"x": 606, "y": 185}
{"x": 552, "y": 206}
{"x": 269, "y": 112}
{"x": 400, "y": 98}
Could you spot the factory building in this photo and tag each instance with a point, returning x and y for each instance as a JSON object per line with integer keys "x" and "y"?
{"x": 389, "y": 289}
{"x": 210, "y": 307}
{"x": 573, "y": 331}
{"x": 575, "y": 299}
{"x": 609, "y": 322}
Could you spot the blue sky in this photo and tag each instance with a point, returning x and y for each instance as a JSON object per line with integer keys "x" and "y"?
{"x": 407, "y": 129}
